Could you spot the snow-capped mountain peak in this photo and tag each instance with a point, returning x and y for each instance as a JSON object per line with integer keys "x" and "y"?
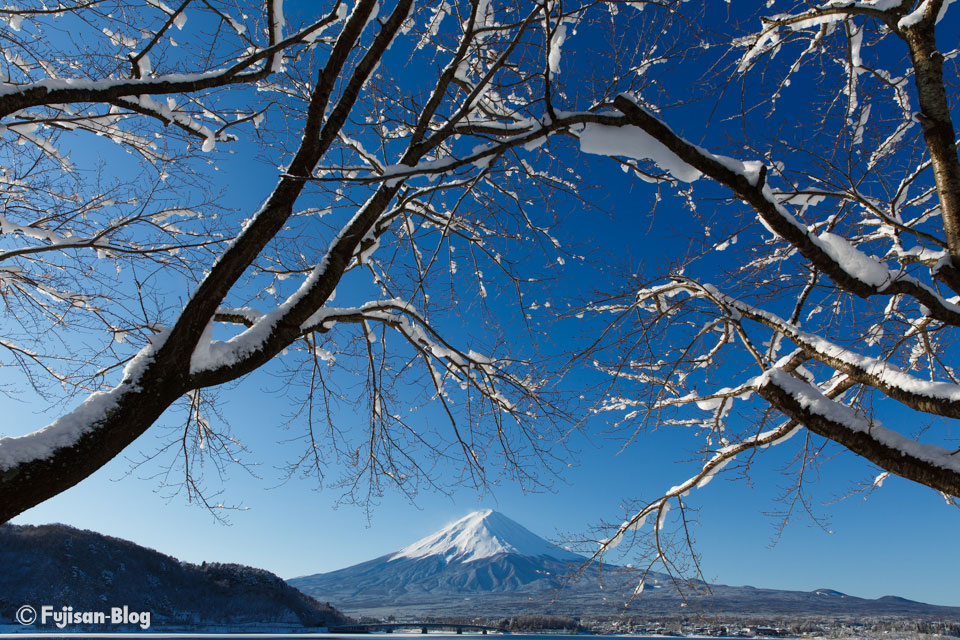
{"x": 483, "y": 534}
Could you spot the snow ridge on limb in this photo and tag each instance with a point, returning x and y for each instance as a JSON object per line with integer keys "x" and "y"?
{"x": 807, "y": 404}
{"x": 929, "y": 464}
{"x": 937, "y": 397}
{"x": 822, "y": 18}
{"x": 66, "y": 431}
{"x": 846, "y": 265}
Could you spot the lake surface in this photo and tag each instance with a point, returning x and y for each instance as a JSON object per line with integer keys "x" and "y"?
{"x": 187, "y": 635}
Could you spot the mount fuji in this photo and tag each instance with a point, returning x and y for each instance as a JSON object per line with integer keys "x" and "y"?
{"x": 484, "y": 558}
{"x": 481, "y": 535}
{"x": 485, "y": 564}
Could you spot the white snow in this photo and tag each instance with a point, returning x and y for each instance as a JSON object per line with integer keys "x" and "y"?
{"x": 884, "y": 372}
{"x": 943, "y": 9}
{"x": 858, "y": 264}
{"x": 816, "y": 21}
{"x": 483, "y": 534}
{"x": 662, "y": 518}
{"x": 433, "y": 23}
{"x": 161, "y": 5}
{"x": 914, "y": 17}
{"x": 67, "y": 430}
{"x": 813, "y": 400}
{"x": 809, "y": 198}
{"x": 559, "y": 37}
{"x": 708, "y": 476}
{"x": 634, "y": 142}
{"x": 766, "y": 40}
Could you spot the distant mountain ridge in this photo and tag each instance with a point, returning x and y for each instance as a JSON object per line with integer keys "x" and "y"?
{"x": 60, "y": 566}
{"x": 485, "y": 564}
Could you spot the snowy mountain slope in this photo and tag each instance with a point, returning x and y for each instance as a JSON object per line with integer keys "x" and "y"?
{"x": 485, "y": 558}
{"x": 483, "y": 552}
{"x": 485, "y": 564}
{"x": 484, "y": 534}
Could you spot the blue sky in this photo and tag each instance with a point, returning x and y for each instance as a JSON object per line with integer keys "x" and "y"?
{"x": 898, "y": 541}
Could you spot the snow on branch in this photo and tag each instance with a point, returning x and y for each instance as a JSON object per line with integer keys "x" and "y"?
{"x": 937, "y": 397}
{"x": 458, "y": 367}
{"x": 790, "y": 388}
{"x": 940, "y": 398}
{"x": 720, "y": 459}
{"x": 808, "y": 405}
{"x": 849, "y": 267}
{"x": 926, "y": 463}
{"x": 252, "y": 67}
{"x": 823, "y": 19}
{"x": 68, "y": 430}
{"x": 145, "y": 105}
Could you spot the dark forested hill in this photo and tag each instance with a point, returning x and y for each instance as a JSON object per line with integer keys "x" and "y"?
{"x": 60, "y": 566}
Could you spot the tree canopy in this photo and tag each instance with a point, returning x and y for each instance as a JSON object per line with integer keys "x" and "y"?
{"x": 424, "y": 150}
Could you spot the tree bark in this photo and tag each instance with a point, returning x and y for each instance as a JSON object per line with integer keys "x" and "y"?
{"x": 934, "y": 117}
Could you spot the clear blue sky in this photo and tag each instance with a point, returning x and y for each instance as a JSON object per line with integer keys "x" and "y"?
{"x": 900, "y": 541}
